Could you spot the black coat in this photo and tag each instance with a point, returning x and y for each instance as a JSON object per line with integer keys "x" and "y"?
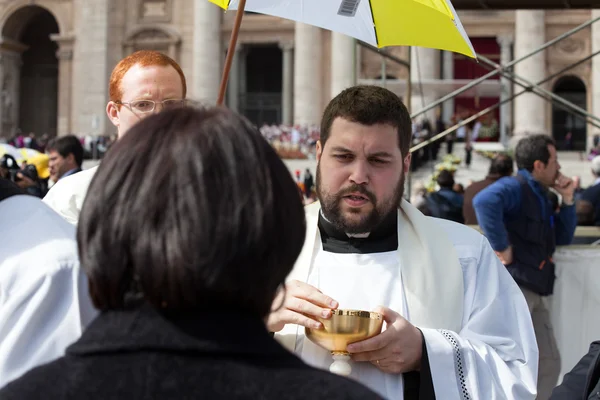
{"x": 583, "y": 382}
{"x": 470, "y": 193}
{"x": 143, "y": 355}
{"x": 8, "y": 189}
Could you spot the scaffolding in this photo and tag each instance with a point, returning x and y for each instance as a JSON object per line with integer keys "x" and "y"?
{"x": 495, "y": 69}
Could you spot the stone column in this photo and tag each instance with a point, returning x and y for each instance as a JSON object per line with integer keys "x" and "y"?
{"x": 92, "y": 70}
{"x": 425, "y": 65}
{"x": 14, "y": 113}
{"x": 307, "y": 74}
{"x": 505, "y": 122}
{"x": 595, "y": 78}
{"x": 287, "y": 99}
{"x": 207, "y": 55}
{"x": 448, "y": 73}
{"x": 233, "y": 86}
{"x": 343, "y": 63}
{"x": 529, "y": 109}
{"x": 65, "y": 74}
{"x": 358, "y": 60}
{"x": 10, "y": 80}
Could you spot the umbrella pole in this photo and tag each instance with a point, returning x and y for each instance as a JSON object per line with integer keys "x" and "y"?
{"x": 231, "y": 50}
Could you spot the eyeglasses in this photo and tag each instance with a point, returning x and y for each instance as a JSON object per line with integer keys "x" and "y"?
{"x": 146, "y": 106}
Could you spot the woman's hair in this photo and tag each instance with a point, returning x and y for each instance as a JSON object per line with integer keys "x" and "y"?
{"x": 191, "y": 209}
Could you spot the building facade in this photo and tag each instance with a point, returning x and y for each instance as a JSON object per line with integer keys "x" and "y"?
{"x": 56, "y": 57}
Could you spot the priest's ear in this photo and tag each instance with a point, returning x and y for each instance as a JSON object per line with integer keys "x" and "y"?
{"x": 406, "y": 163}
{"x": 319, "y": 150}
{"x": 112, "y": 110}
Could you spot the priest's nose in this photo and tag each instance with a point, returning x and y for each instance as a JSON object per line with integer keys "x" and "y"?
{"x": 360, "y": 173}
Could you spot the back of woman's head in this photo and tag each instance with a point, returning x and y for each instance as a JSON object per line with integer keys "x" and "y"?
{"x": 191, "y": 209}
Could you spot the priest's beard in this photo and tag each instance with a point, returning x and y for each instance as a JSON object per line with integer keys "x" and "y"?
{"x": 331, "y": 206}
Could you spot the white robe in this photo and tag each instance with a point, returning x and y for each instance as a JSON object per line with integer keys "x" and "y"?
{"x": 67, "y": 195}
{"x": 493, "y": 355}
{"x": 44, "y": 299}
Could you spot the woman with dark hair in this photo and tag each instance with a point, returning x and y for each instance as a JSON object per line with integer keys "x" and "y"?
{"x": 191, "y": 225}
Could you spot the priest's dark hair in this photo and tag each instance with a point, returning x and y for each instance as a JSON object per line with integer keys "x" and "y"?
{"x": 369, "y": 105}
{"x": 192, "y": 209}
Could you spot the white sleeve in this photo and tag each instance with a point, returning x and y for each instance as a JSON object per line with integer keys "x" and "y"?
{"x": 495, "y": 355}
{"x": 40, "y": 316}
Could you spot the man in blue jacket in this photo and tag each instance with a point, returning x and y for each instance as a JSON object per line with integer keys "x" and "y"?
{"x": 518, "y": 218}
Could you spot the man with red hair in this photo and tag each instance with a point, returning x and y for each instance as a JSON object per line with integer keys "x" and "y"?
{"x": 141, "y": 84}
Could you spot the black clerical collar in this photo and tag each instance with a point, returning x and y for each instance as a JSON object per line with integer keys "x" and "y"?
{"x": 382, "y": 239}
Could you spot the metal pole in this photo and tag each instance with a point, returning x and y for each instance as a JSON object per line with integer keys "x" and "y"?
{"x": 503, "y": 68}
{"x": 239, "y": 14}
{"x": 407, "y": 103}
{"x": 492, "y": 108}
{"x": 532, "y": 87}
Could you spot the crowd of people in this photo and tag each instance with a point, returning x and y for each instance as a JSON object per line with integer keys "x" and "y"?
{"x": 455, "y": 202}
{"x": 94, "y": 147}
{"x": 482, "y": 129}
{"x": 36, "y": 174}
{"x": 292, "y": 142}
{"x": 185, "y": 264}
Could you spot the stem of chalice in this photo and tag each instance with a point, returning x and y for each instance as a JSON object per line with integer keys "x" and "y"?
{"x": 341, "y": 363}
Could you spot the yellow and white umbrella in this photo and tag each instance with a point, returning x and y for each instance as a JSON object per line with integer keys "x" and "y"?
{"x": 29, "y": 156}
{"x": 19, "y": 154}
{"x": 381, "y": 23}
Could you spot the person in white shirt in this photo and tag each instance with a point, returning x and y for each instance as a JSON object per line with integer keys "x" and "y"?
{"x": 457, "y": 326}
{"x": 44, "y": 300}
{"x": 141, "y": 84}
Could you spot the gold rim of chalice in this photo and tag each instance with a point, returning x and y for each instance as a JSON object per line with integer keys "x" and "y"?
{"x": 358, "y": 313}
{"x": 345, "y": 327}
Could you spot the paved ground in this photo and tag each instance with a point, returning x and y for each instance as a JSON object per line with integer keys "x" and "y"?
{"x": 573, "y": 163}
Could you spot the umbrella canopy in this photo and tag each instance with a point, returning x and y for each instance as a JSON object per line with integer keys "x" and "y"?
{"x": 381, "y": 23}
{"x": 19, "y": 154}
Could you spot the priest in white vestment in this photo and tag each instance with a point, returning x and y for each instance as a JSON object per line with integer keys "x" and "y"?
{"x": 456, "y": 324}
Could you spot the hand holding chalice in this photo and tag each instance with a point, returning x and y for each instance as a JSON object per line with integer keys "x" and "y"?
{"x": 325, "y": 325}
{"x": 343, "y": 328}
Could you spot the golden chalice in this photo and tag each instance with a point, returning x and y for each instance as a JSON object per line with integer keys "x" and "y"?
{"x": 345, "y": 327}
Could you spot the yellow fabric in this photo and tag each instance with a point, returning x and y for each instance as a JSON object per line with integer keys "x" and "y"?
{"x": 410, "y": 22}
{"x": 420, "y": 23}
{"x": 41, "y": 162}
{"x": 20, "y": 154}
{"x": 221, "y": 3}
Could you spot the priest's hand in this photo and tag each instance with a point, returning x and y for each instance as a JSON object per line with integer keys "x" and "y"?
{"x": 300, "y": 303}
{"x": 396, "y": 350}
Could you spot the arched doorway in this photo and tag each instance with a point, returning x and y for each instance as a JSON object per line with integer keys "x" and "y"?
{"x": 573, "y": 89}
{"x": 35, "y": 73}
